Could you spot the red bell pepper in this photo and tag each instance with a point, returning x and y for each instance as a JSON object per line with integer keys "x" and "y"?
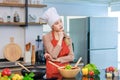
{"x": 6, "y": 72}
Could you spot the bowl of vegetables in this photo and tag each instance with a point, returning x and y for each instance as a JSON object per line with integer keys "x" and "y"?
{"x": 68, "y": 71}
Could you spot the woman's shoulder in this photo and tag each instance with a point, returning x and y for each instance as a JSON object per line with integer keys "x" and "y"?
{"x": 47, "y": 35}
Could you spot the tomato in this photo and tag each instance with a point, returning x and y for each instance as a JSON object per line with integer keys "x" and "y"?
{"x": 111, "y": 69}
{"x": 91, "y": 73}
{"x": 107, "y": 70}
{"x": 6, "y": 72}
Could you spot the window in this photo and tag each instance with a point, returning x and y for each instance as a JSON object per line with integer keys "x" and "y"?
{"x": 116, "y": 14}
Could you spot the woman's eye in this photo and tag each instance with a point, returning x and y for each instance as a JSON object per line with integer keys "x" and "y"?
{"x": 60, "y": 20}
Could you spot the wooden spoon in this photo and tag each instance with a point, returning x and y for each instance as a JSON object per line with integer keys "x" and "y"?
{"x": 77, "y": 62}
{"x": 23, "y": 66}
{"x": 62, "y": 67}
{"x": 54, "y": 64}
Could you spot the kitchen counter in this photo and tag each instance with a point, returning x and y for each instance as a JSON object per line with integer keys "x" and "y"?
{"x": 100, "y": 77}
{"x": 80, "y": 77}
{"x": 16, "y": 68}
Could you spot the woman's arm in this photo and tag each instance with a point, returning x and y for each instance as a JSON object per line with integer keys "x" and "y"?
{"x": 53, "y": 51}
{"x": 69, "y": 57}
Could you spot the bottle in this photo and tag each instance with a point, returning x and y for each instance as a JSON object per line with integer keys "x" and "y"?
{"x": 16, "y": 17}
{"x": 8, "y": 19}
{"x": 33, "y": 55}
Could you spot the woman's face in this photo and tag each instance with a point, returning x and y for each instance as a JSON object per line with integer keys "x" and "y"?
{"x": 58, "y": 26}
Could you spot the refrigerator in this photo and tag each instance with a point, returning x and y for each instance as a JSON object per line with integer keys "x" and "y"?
{"x": 95, "y": 39}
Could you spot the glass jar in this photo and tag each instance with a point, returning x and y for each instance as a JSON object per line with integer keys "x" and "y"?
{"x": 8, "y": 19}
{"x": 16, "y": 17}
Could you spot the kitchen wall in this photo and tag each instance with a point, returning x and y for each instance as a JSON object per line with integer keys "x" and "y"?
{"x": 11, "y": 31}
{"x": 22, "y": 35}
{"x": 82, "y": 8}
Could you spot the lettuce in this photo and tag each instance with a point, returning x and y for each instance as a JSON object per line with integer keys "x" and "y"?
{"x": 92, "y": 67}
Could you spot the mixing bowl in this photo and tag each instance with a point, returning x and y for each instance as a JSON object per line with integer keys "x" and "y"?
{"x": 69, "y": 73}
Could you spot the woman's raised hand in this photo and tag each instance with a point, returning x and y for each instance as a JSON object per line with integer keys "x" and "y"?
{"x": 61, "y": 35}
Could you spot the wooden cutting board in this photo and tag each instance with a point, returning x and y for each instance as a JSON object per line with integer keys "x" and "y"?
{"x": 12, "y": 51}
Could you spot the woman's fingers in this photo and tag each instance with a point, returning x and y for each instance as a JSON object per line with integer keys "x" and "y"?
{"x": 46, "y": 55}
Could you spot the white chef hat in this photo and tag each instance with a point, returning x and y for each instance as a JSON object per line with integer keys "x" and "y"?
{"x": 51, "y": 16}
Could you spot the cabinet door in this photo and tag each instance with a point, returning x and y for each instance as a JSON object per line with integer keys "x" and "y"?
{"x": 104, "y": 58}
{"x": 78, "y": 34}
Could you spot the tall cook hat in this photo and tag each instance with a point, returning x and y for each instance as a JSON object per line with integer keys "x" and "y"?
{"x": 51, "y": 16}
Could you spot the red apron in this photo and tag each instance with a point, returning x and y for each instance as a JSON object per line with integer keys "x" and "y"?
{"x": 52, "y": 71}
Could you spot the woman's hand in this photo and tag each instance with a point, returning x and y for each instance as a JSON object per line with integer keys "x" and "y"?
{"x": 56, "y": 60}
{"x": 61, "y": 34}
{"x": 48, "y": 56}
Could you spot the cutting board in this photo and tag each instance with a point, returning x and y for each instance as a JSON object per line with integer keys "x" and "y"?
{"x": 12, "y": 51}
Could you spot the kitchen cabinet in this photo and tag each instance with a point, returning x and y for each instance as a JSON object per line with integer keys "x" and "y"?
{"x": 12, "y": 28}
{"x": 14, "y": 5}
{"x": 25, "y": 6}
{"x": 95, "y": 39}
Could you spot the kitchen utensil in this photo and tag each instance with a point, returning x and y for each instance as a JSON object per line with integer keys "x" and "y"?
{"x": 78, "y": 62}
{"x": 23, "y": 67}
{"x": 54, "y": 64}
{"x": 12, "y": 51}
{"x": 27, "y": 57}
{"x": 33, "y": 58}
{"x": 28, "y": 46}
{"x": 72, "y": 67}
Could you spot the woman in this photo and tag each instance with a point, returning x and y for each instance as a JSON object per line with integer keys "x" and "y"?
{"x": 58, "y": 45}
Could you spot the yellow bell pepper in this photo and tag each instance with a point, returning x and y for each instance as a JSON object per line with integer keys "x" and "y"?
{"x": 17, "y": 77}
{"x": 85, "y": 71}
